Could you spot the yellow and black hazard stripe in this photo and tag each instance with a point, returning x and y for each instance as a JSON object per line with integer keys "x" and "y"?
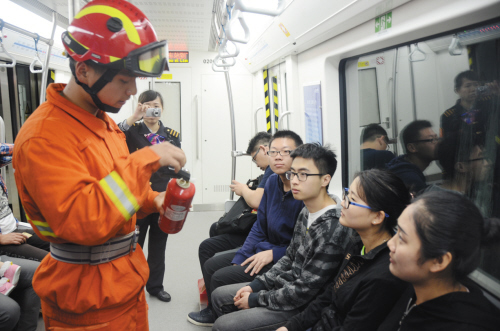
{"x": 266, "y": 95}
{"x": 43, "y": 227}
{"x": 116, "y": 189}
{"x": 276, "y": 111}
{"x": 469, "y": 55}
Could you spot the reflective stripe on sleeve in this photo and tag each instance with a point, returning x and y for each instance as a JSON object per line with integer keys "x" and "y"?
{"x": 120, "y": 195}
{"x": 43, "y": 227}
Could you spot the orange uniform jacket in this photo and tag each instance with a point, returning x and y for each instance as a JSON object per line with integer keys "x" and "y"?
{"x": 79, "y": 184}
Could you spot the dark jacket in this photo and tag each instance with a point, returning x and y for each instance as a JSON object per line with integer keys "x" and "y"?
{"x": 313, "y": 256}
{"x": 409, "y": 173}
{"x": 136, "y": 140}
{"x": 361, "y": 296}
{"x": 276, "y": 218}
{"x": 457, "y": 311}
{"x": 375, "y": 159}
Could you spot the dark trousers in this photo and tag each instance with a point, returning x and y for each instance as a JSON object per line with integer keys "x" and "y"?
{"x": 156, "y": 251}
{"x": 33, "y": 249}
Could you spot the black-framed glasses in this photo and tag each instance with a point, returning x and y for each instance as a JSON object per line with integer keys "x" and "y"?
{"x": 302, "y": 176}
{"x": 282, "y": 153}
{"x": 348, "y": 202}
{"x": 254, "y": 157}
{"x": 430, "y": 140}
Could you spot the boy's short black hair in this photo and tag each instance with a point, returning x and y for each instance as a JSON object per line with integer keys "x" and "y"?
{"x": 287, "y": 134}
{"x": 261, "y": 138}
{"x": 468, "y": 74}
{"x": 371, "y": 132}
{"x": 411, "y": 133}
{"x": 324, "y": 158}
{"x": 100, "y": 69}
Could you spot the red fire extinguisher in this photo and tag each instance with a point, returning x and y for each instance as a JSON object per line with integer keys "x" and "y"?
{"x": 178, "y": 198}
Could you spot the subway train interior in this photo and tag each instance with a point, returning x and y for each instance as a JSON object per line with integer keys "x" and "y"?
{"x": 323, "y": 69}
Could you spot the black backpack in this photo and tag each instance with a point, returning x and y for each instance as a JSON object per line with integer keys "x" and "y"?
{"x": 240, "y": 218}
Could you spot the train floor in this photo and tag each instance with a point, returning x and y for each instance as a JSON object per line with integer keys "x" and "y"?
{"x": 181, "y": 276}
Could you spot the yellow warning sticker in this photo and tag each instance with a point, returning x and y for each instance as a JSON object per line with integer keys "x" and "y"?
{"x": 285, "y": 31}
{"x": 165, "y": 76}
{"x": 363, "y": 64}
{"x": 52, "y": 75}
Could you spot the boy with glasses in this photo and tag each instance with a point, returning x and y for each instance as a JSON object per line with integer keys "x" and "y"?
{"x": 270, "y": 235}
{"x": 419, "y": 142}
{"x": 374, "y": 145}
{"x": 315, "y": 253}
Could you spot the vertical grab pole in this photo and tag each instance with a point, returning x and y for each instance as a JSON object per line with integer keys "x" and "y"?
{"x": 233, "y": 133}
{"x": 45, "y": 73}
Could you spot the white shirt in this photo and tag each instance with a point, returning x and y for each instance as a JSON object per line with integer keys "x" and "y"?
{"x": 314, "y": 216}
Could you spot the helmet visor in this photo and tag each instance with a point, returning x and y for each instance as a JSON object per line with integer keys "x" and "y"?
{"x": 150, "y": 60}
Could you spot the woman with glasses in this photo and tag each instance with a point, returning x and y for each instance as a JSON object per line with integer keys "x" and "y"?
{"x": 364, "y": 291}
{"x": 438, "y": 244}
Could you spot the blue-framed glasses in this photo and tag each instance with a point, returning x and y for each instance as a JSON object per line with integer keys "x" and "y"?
{"x": 348, "y": 202}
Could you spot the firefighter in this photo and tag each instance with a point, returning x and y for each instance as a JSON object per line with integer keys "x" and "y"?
{"x": 79, "y": 186}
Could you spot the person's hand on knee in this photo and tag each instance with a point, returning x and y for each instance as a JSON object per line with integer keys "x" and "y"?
{"x": 242, "y": 303}
{"x": 258, "y": 261}
{"x": 241, "y": 291}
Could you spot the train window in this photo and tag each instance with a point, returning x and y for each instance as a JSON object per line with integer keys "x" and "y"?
{"x": 450, "y": 85}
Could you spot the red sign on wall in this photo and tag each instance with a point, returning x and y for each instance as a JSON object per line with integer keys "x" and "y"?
{"x": 178, "y": 57}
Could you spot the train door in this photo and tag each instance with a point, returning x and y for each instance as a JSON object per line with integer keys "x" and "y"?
{"x": 20, "y": 95}
{"x": 215, "y": 133}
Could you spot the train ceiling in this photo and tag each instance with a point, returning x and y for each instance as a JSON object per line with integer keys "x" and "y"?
{"x": 186, "y": 24}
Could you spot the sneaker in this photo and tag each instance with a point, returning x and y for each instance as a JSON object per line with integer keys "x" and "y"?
{"x": 5, "y": 286}
{"x": 203, "y": 317}
{"x": 11, "y": 271}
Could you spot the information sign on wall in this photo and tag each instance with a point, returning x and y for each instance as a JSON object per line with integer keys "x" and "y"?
{"x": 312, "y": 106}
{"x": 178, "y": 57}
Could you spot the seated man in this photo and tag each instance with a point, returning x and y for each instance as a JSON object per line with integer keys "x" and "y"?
{"x": 374, "y": 144}
{"x": 257, "y": 148}
{"x": 419, "y": 142}
{"x": 270, "y": 234}
{"x": 315, "y": 253}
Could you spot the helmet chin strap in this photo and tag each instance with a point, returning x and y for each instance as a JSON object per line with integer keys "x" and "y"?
{"x": 107, "y": 77}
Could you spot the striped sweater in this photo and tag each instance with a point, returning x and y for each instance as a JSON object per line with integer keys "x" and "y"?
{"x": 312, "y": 260}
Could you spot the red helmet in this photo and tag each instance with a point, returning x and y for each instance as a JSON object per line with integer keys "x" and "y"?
{"x": 116, "y": 34}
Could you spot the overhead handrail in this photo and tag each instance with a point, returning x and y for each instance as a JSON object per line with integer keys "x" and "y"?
{"x": 282, "y": 116}
{"x": 417, "y": 49}
{"x": 3, "y": 50}
{"x": 455, "y": 48}
{"x": 223, "y": 64}
{"x": 37, "y": 58}
{"x": 223, "y": 49}
{"x": 45, "y": 73}
{"x": 216, "y": 69}
{"x": 245, "y": 6}
{"x": 229, "y": 34}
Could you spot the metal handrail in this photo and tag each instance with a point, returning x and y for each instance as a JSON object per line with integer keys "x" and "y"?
{"x": 255, "y": 119}
{"x": 45, "y": 73}
{"x": 4, "y": 50}
{"x": 416, "y": 49}
{"x": 282, "y": 116}
{"x": 223, "y": 48}
{"x": 245, "y": 6}
{"x": 37, "y": 58}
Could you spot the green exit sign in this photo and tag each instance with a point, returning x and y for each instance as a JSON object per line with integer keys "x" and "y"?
{"x": 383, "y": 22}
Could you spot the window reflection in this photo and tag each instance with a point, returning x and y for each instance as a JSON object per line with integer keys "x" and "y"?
{"x": 443, "y": 111}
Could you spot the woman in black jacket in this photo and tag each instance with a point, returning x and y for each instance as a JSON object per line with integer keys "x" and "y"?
{"x": 142, "y": 134}
{"x": 437, "y": 246}
{"x": 364, "y": 291}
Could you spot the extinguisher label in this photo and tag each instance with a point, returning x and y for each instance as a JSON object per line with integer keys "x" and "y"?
{"x": 175, "y": 215}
